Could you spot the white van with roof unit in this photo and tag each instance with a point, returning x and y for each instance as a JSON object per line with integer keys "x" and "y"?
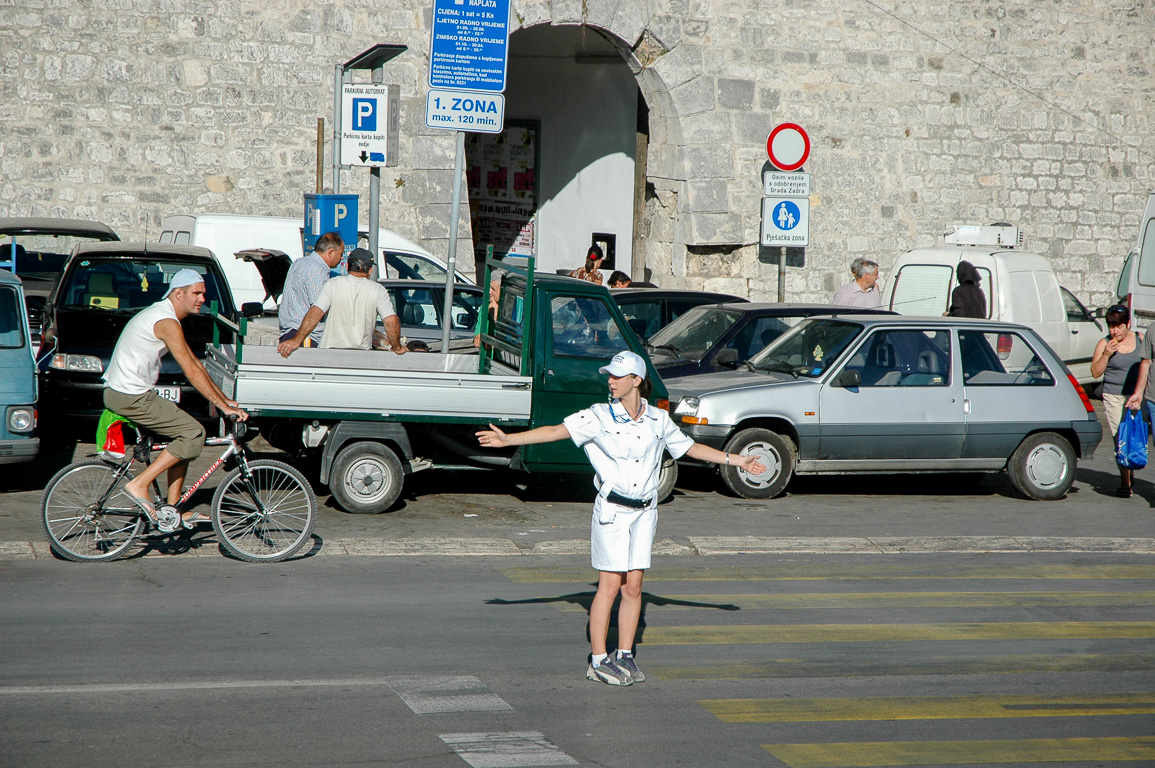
{"x": 1136, "y": 285}
{"x": 1020, "y": 286}
{"x": 227, "y": 234}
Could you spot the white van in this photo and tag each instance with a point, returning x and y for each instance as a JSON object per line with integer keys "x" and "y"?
{"x": 1136, "y": 286}
{"x": 226, "y": 234}
{"x": 1020, "y": 287}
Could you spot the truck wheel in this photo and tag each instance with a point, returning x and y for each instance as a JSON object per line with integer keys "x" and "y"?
{"x": 775, "y": 451}
{"x": 1043, "y": 466}
{"x": 667, "y": 478}
{"x": 366, "y": 478}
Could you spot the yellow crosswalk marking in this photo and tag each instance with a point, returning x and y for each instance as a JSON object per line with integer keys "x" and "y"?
{"x": 921, "y": 665}
{"x": 837, "y": 600}
{"x": 860, "y": 755}
{"x": 874, "y": 571}
{"x": 873, "y": 633}
{"x": 927, "y": 707}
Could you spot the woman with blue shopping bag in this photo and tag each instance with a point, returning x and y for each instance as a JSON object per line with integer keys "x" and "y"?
{"x": 1117, "y": 359}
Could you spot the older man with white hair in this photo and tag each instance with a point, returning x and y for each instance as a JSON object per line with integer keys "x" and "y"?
{"x": 861, "y": 291}
{"x": 131, "y": 388}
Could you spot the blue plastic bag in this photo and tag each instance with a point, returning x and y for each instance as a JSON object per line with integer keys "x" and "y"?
{"x": 1131, "y": 442}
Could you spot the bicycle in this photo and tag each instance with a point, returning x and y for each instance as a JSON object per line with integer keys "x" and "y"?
{"x": 263, "y": 511}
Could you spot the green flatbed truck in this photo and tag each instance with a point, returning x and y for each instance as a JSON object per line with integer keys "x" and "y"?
{"x": 375, "y": 417}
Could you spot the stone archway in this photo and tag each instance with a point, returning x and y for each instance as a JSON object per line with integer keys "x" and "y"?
{"x": 657, "y": 242}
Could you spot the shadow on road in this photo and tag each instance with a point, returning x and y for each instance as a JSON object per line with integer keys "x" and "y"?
{"x": 584, "y": 599}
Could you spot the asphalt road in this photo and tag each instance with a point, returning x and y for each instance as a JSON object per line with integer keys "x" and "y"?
{"x": 821, "y": 660}
{"x": 855, "y": 621}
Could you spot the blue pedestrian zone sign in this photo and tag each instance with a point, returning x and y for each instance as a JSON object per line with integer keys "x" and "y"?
{"x": 785, "y": 221}
{"x": 469, "y": 45}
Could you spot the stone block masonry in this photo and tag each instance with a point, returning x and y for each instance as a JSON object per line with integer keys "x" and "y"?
{"x": 922, "y": 115}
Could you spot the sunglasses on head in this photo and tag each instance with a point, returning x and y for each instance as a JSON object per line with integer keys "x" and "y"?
{"x": 1117, "y": 308}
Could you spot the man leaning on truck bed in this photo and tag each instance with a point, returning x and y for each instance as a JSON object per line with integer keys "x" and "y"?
{"x": 303, "y": 285}
{"x": 352, "y": 303}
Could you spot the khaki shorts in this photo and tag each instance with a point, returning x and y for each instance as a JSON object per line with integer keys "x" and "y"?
{"x": 1113, "y": 407}
{"x": 161, "y": 416}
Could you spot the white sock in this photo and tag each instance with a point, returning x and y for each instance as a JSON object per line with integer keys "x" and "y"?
{"x": 622, "y": 653}
{"x": 598, "y": 658}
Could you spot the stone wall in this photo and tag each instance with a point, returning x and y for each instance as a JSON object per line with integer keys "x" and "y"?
{"x": 922, "y": 115}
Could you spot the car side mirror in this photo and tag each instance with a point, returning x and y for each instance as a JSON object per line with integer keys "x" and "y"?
{"x": 726, "y": 357}
{"x": 1101, "y": 313}
{"x": 252, "y": 309}
{"x": 848, "y": 378}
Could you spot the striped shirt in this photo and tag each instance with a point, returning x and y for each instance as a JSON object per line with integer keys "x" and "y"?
{"x": 302, "y": 287}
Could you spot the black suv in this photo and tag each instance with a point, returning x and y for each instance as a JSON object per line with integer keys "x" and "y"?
{"x": 103, "y": 286}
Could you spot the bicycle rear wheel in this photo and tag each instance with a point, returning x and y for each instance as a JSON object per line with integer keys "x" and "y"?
{"x": 77, "y": 525}
{"x": 267, "y": 516}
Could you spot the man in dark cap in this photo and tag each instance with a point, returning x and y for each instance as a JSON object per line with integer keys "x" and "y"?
{"x": 351, "y": 305}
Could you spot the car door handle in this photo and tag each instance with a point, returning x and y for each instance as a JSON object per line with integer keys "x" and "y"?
{"x": 549, "y": 372}
{"x": 1074, "y": 331}
{"x": 966, "y": 406}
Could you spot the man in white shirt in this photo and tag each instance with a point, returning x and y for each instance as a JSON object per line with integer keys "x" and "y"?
{"x": 350, "y": 305}
{"x": 861, "y": 291}
{"x": 131, "y": 388}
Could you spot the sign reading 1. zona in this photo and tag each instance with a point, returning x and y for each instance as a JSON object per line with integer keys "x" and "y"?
{"x": 465, "y": 110}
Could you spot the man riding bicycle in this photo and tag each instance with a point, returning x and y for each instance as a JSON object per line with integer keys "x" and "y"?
{"x": 131, "y": 388}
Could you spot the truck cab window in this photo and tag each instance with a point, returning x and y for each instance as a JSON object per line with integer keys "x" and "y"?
{"x": 584, "y": 327}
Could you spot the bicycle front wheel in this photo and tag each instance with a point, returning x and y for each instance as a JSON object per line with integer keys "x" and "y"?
{"x": 78, "y": 525}
{"x": 266, "y": 516}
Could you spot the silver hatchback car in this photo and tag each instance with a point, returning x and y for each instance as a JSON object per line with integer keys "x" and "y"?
{"x": 855, "y": 394}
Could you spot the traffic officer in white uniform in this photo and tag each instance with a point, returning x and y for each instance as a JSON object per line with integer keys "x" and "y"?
{"x": 624, "y": 440}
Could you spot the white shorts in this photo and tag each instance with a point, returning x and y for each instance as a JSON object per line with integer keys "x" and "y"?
{"x": 624, "y": 543}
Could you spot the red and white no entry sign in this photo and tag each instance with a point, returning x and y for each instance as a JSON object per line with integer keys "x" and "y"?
{"x": 788, "y": 147}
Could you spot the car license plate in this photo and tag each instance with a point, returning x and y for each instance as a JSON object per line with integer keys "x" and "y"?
{"x": 169, "y": 393}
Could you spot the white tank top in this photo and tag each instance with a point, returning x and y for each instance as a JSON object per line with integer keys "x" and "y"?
{"x": 135, "y": 365}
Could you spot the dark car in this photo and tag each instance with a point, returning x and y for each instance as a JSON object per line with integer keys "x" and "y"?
{"x": 709, "y": 339}
{"x": 421, "y": 306}
{"x": 36, "y": 248}
{"x": 104, "y": 285}
{"x": 647, "y": 310}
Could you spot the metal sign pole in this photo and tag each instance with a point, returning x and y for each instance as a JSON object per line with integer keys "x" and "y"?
{"x": 375, "y": 191}
{"x": 782, "y": 276}
{"x": 451, "y": 262}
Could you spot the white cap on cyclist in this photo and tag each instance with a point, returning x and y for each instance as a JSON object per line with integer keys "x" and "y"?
{"x": 183, "y": 279}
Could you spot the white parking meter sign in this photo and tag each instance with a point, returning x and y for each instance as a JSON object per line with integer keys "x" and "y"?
{"x": 370, "y": 124}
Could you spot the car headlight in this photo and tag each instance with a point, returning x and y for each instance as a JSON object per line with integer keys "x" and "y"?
{"x": 81, "y": 363}
{"x": 687, "y": 406}
{"x": 21, "y": 418}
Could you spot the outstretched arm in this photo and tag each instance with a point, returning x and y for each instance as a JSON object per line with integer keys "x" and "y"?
{"x": 495, "y": 438}
{"x": 310, "y": 321}
{"x": 706, "y": 453}
{"x": 170, "y": 332}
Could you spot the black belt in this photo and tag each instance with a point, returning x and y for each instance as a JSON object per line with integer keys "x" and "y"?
{"x": 626, "y": 501}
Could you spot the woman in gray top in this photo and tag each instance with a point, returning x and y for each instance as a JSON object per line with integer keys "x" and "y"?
{"x": 1117, "y": 360}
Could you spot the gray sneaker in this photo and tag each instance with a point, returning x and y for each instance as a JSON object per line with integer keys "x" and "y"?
{"x": 626, "y": 662}
{"x": 609, "y": 672}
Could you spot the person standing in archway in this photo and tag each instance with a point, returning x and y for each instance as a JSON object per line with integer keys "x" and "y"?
{"x": 625, "y": 440}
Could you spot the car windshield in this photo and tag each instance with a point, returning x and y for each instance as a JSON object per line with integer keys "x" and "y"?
{"x": 808, "y": 349}
{"x": 693, "y": 334}
{"x": 127, "y": 285}
{"x": 11, "y": 318}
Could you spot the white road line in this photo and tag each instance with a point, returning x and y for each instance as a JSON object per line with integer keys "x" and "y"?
{"x": 436, "y": 694}
{"x": 698, "y": 545}
{"x": 171, "y": 685}
{"x": 517, "y": 749}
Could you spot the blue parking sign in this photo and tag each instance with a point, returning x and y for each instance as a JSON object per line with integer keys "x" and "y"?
{"x": 469, "y": 45}
{"x": 365, "y": 114}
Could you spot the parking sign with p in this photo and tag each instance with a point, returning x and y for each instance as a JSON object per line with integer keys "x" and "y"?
{"x": 370, "y": 124}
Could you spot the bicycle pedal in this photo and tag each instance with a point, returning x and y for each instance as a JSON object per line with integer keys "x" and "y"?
{"x": 167, "y": 519}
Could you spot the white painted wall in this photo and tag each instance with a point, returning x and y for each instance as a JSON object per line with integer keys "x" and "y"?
{"x": 588, "y": 114}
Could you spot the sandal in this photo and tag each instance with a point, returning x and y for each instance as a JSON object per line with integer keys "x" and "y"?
{"x": 1123, "y": 491}
{"x": 145, "y": 506}
{"x": 192, "y": 521}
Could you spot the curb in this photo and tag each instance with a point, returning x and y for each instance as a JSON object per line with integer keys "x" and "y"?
{"x": 697, "y": 546}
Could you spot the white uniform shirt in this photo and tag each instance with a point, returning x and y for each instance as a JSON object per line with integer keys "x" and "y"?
{"x": 135, "y": 365}
{"x": 627, "y": 458}
{"x": 353, "y": 305}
